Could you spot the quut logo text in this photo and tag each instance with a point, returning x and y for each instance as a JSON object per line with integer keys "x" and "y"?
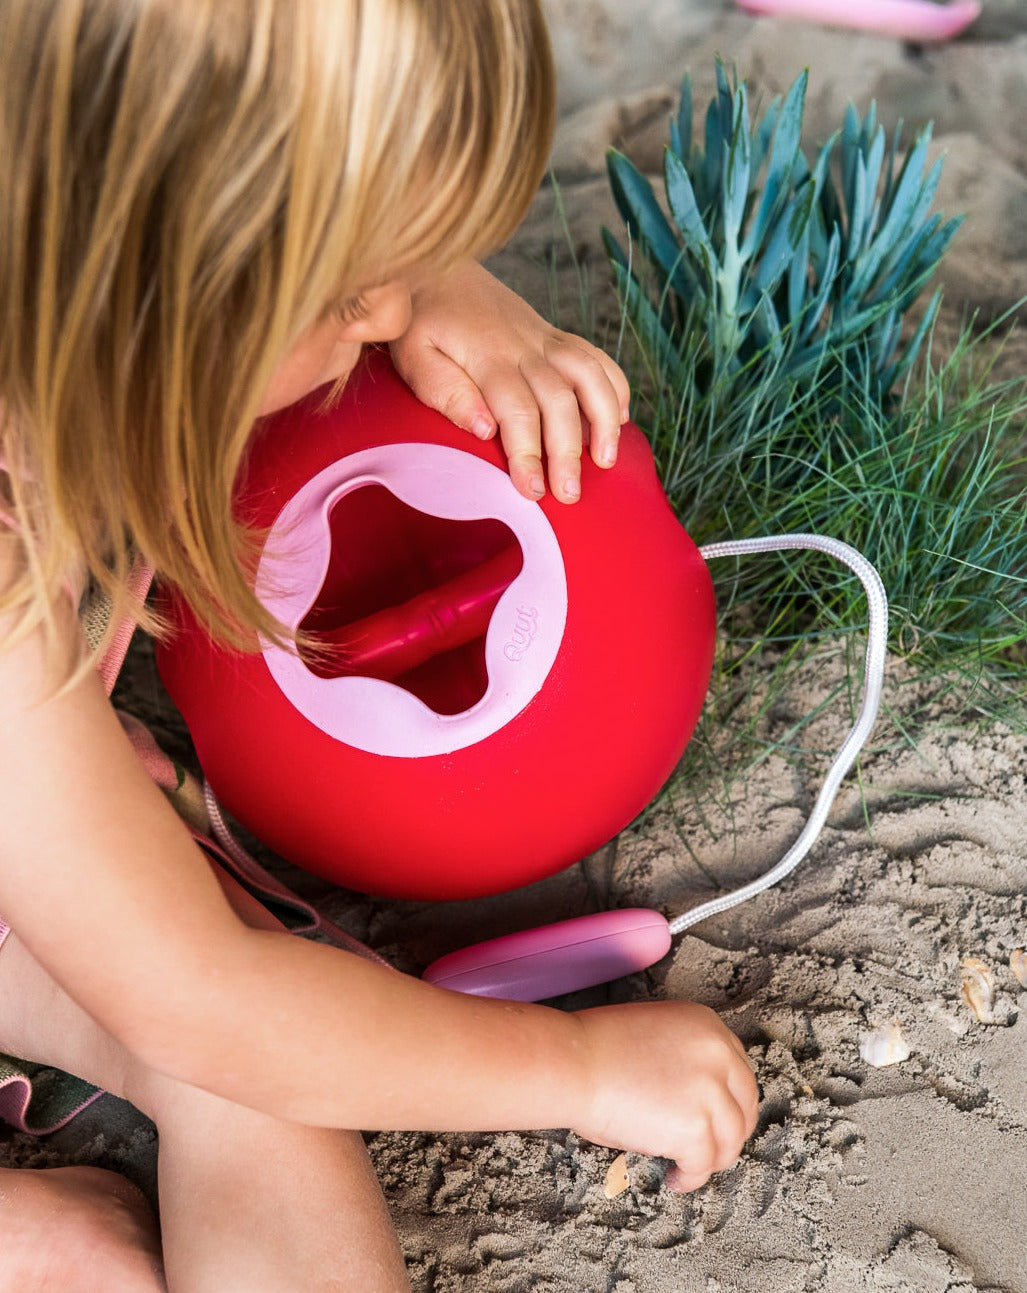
{"x": 525, "y": 628}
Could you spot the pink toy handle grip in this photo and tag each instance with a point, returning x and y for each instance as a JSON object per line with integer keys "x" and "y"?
{"x": 393, "y": 641}
{"x": 554, "y": 959}
{"x": 916, "y": 20}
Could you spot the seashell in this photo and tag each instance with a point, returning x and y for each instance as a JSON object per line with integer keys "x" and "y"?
{"x": 617, "y": 1179}
{"x": 1018, "y": 964}
{"x": 885, "y": 1045}
{"x": 978, "y": 988}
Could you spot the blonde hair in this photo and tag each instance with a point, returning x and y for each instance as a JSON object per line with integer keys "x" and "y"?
{"x": 184, "y": 186}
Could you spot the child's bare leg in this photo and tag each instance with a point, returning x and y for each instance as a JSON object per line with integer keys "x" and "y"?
{"x": 270, "y": 1206}
{"x": 78, "y": 1228}
{"x": 247, "y": 1201}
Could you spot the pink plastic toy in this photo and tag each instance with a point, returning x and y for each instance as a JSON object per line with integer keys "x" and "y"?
{"x": 554, "y": 959}
{"x": 501, "y": 685}
{"x": 914, "y": 20}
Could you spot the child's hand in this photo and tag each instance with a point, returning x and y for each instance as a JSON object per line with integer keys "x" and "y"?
{"x": 671, "y": 1081}
{"x": 481, "y": 355}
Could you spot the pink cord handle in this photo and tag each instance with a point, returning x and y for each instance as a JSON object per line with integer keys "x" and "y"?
{"x": 917, "y": 20}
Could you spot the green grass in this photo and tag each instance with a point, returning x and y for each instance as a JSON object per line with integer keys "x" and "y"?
{"x": 932, "y": 489}
{"x": 930, "y": 484}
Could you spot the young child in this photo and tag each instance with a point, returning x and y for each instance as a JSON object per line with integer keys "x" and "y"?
{"x": 206, "y": 209}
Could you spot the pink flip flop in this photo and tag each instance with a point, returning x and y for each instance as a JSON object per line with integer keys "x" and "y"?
{"x": 917, "y": 20}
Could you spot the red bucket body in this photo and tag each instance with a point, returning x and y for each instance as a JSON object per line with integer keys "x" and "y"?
{"x": 504, "y": 685}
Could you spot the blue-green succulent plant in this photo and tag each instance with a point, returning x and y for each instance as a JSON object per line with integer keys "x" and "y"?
{"x": 800, "y": 266}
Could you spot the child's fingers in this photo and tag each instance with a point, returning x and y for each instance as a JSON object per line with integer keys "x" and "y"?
{"x": 592, "y": 366}
{"x": 696, "y": 1157}
{"x": 693, "y": 1170}
{"x": 503, "y": 400}
{"x": 597, "y": 396}
{"x": 538, "y": 405}
{"x": 561, "y": 428}
{"x": 682, "y": 1181}
{"x": 618, "y": 383}
{"x": 746, "y": 1094}
{"x": 713, "y": 1145}
{"x": 515, "y": 407}
{"x": 743, "y": 1089}
{"x": 442, "y": 384}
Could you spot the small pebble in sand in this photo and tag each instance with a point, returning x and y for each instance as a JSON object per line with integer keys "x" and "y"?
{"x": 617, "y": 1179}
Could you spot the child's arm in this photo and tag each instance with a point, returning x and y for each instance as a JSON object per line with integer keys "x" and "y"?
{"x": 107, "y": 890}
{"x": 480, "y": 354}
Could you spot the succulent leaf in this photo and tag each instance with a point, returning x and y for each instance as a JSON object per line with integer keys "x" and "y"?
{"x": 681, "y": 126}
{"x": 736, "y": 173}
{"x": 783, "y": 240}
{"x": 769, "y": 338}
{"x": 825, "y": 273}
{"x": 685, "y": 209}
{"x": 787, "y": 127}
{"x": 642, "y": 213}
{"x": 798, "y": 278}
{"x": 763, "y": 137}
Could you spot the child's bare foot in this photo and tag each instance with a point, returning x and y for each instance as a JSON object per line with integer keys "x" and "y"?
{"x": 78, "y": 1229}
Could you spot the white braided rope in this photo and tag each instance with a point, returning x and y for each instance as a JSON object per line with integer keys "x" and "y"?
{"x": 873, "y": 679}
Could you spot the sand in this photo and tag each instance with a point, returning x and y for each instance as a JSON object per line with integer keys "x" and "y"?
{"x": 906, "y": 1177}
